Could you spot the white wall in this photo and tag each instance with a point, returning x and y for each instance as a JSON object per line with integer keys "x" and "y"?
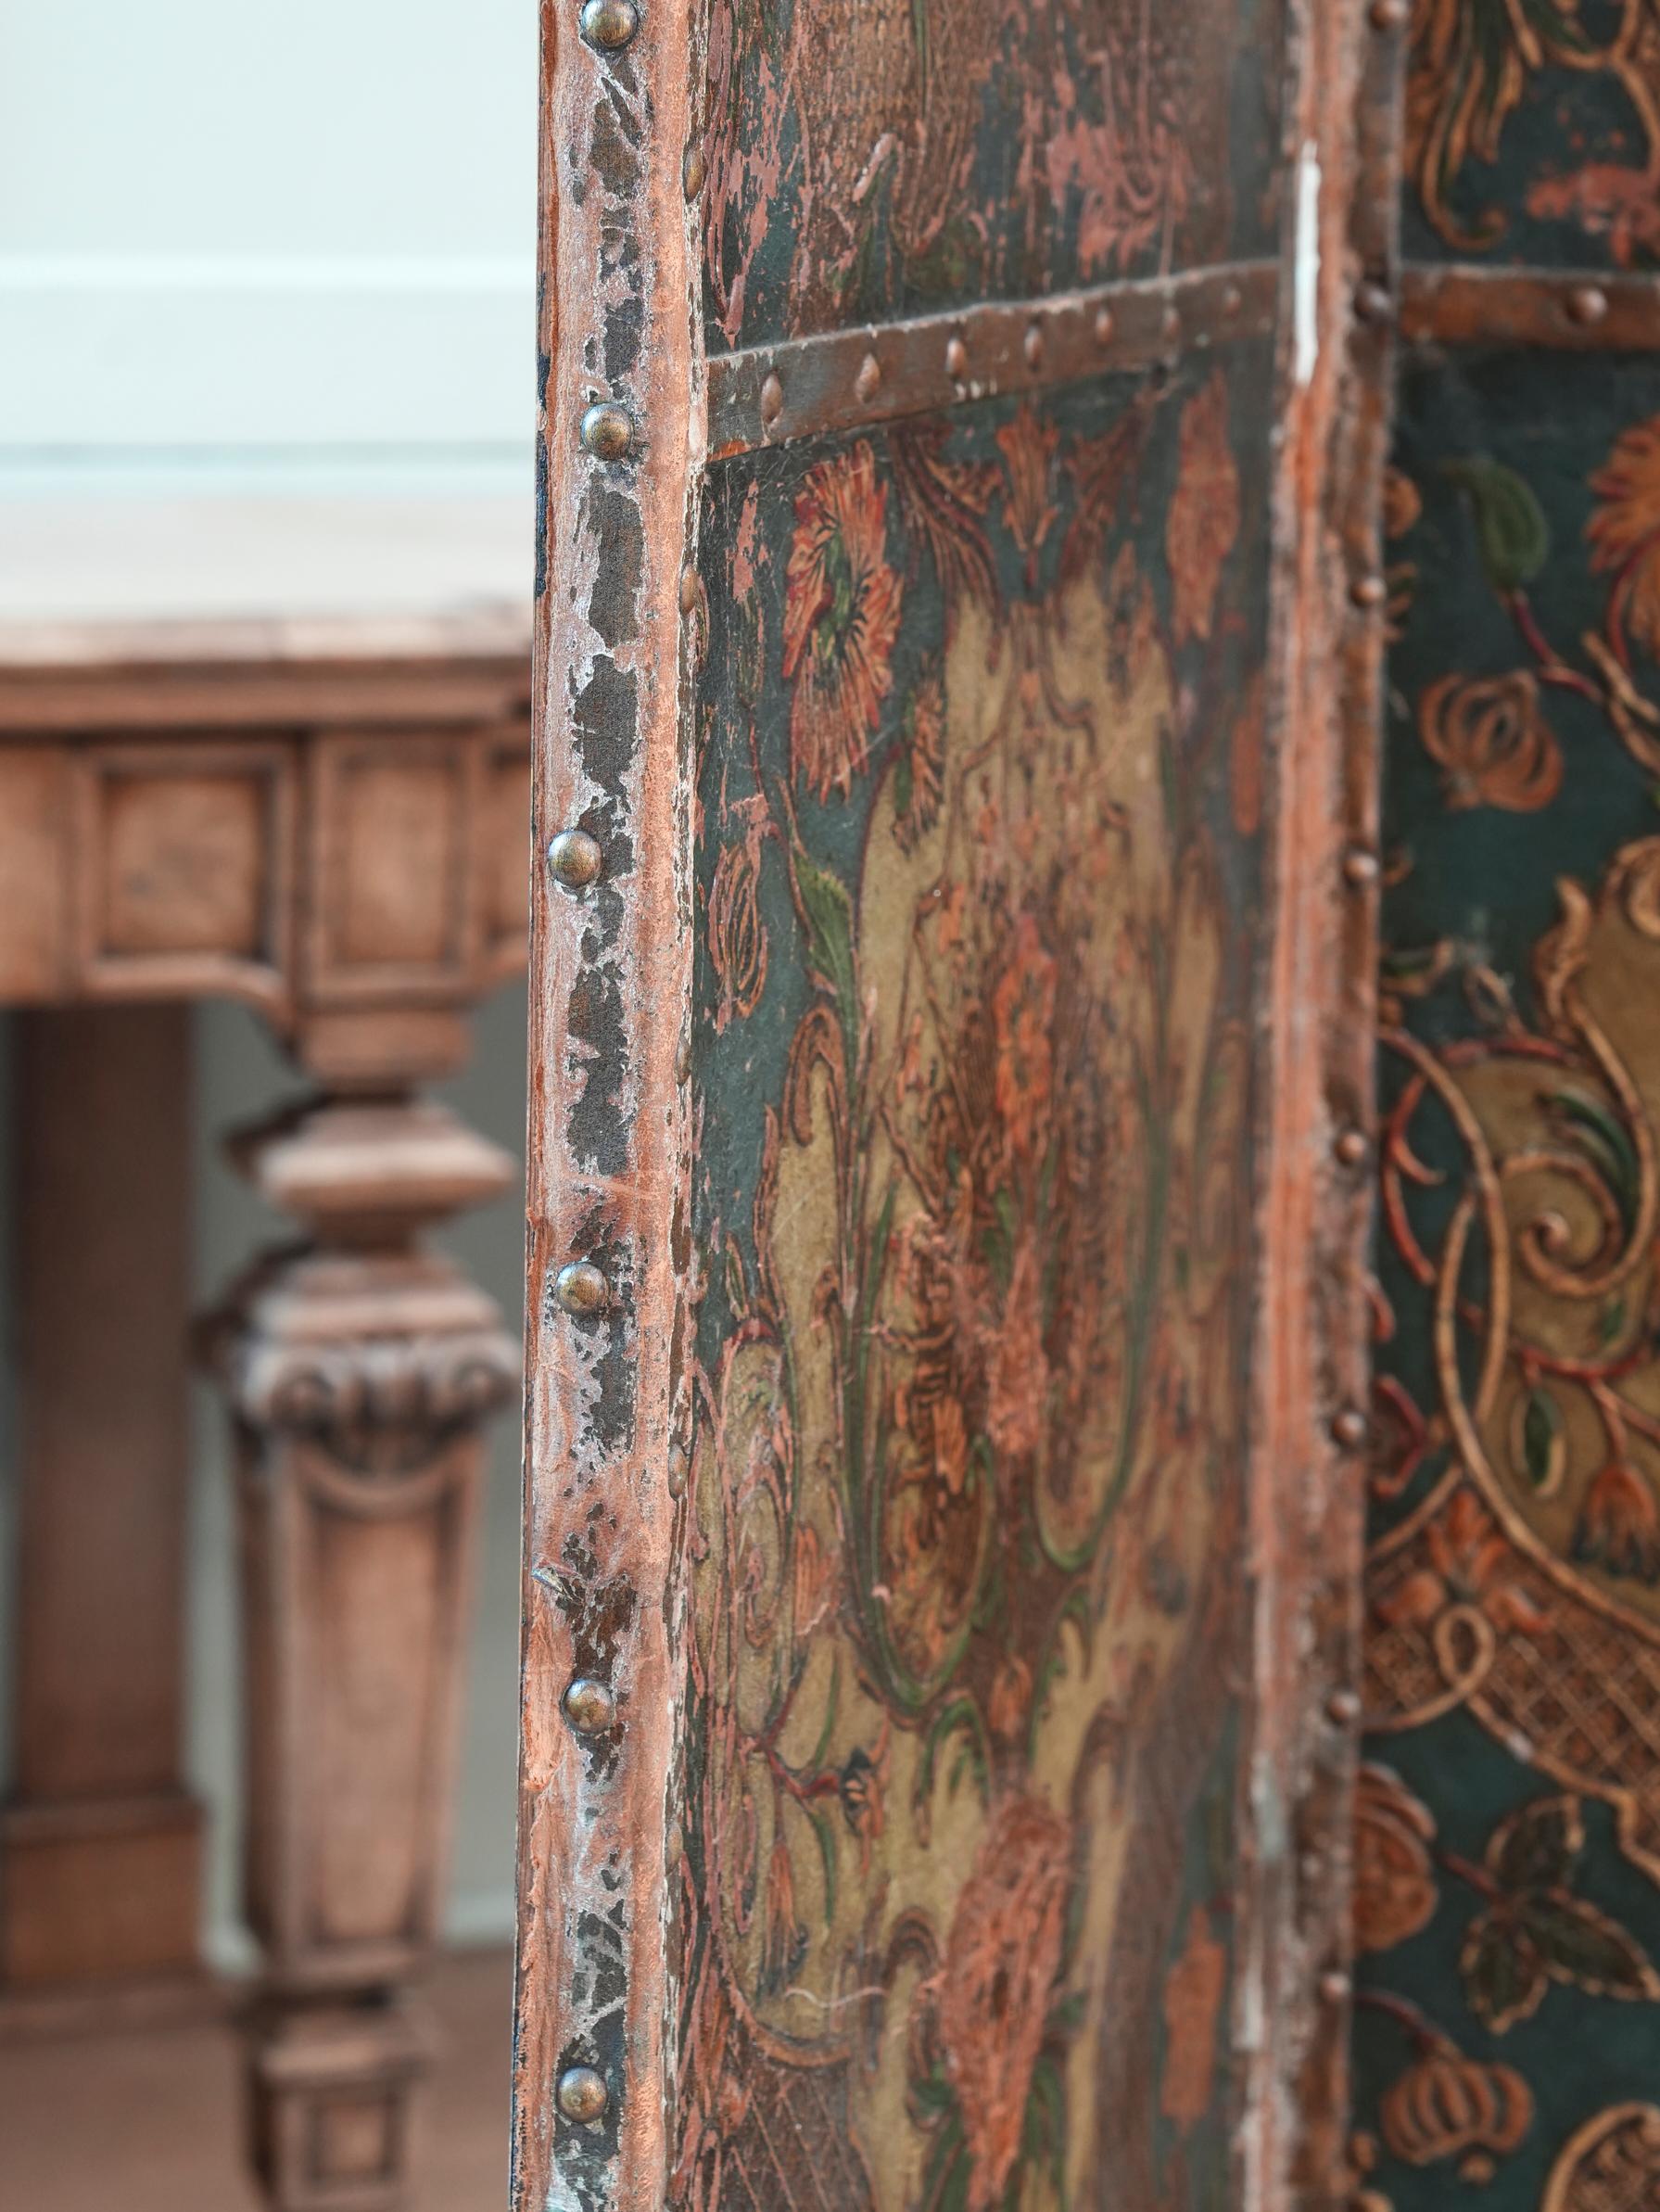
{"x": 282, "y": 246}
{"x": 227, "y": 225}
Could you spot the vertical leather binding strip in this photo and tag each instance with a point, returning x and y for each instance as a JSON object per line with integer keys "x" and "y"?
{"x": 607, "y": 1141}
{"x": 1312, "y": 1373}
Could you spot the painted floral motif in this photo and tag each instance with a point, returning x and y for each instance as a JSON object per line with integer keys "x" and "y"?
{"x": 1448, "y": 2106}
{"x": 1193, "y": 2022}
{"x": 1486, "y": 75}
{"x": 737, "y": 935}
{"x": 1492, "y": 740}
{"x": 994, "y": 1987}
{"x": 841, "y": 617}
{"x": 1625, "y": 533}
{"x": 1612, "y": 2164}
{"x": 870, "y": 157}
{"x": 1393, "y": 1885}
{"x": 1204, "y": 515}
{"x": 1508, "y": 1855}
{"x": 967, "y": 1387}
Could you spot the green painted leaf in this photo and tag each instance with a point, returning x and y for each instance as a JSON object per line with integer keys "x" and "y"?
{"x": 1503, "y": 1974}
{"x": 1539, "y": 1439}
{"x": 905, "y": 783}
{"x": 1045, "y": 2104}
{"x": 736, "y": 1281}
{"x": 932, "y": 2093}
{"x": 1607, "y": 1143}
{"x": 827, "y": 909}
{"x": 960, "y": 1713}
{"x": 1581, "y": 1945}
{"x": 1511, "y": 529}
{"x": 827, "y": 1852}
{"x": 948, "y": 2150}
{"x": 954, "y": 2197}
{"x": 821, "y": 1748}
{"x": 1538, "y": 1847}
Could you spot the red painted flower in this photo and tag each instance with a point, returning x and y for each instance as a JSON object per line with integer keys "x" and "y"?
{"x": 1203, "y": 521}
{"x": 1624, "y": 534}
{"x": 1192, "y": 1995}
{"x": 995, "y": 1985}
{"x": 784, "y": 1940}
{"x": 1471, "y": 1563}
{"x": 1448, "y": 2106}
{"x": 921, "y": 772}
{"x": 1619, "y": 1528}
{"x": 737, "y": 935}
{"x": 840, "y": 619}
{"x": 1023, "y": 1019}
{"x": 1490, "y": 739}
{"x": 1395, "y": 1891}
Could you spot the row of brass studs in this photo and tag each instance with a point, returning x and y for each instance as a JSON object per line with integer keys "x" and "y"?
{"x": 581, "y": 1288}
{"x": 1368, "y": 594}
{"x": 1035, "y": 346}
{"x": 574, "y": 861}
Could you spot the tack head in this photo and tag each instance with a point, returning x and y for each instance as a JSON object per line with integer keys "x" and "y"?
{"x": 610, "y": 25}
{"x": 689, "y": 589}
{"x": 583, "y": 2096}
{"x": 1334, "y": 1987}
{"x": 582, "y": 1289}
{"x": 1390, "y": 14}
{"x": 1587, "y": 305}
{"x": 1032, "y": 346}
{"x": 1104, "y": 326}
{"x": 868, "y": 380}
{"x": 694, "y": 171}
{"x": 1353, "y": 1147}
{"x": 607, "y": 432}
{"x": 1373, "y": 302}
{"x": 574, "y": 858}
{"x": 957, "y": 359}
{"x": 590, "y": 1707}
{"x": 1349, "y": 1427}
{"x": 1343, "y": 1708}
{"x": 1360, "y": 867}
{"x": 1368, "y": 591}
{"x": 772, "y": 397}
{"x": 679, "y": 1468}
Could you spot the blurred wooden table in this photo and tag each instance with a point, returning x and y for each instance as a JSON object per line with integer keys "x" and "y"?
{"x": 150, "y": 2121}
{"x": 274, "y": 750}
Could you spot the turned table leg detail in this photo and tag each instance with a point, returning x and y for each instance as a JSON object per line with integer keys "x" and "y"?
{"x": 361, "y": 1370}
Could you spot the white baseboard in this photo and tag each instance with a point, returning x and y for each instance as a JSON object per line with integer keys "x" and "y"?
{"x": 194, "y": 351}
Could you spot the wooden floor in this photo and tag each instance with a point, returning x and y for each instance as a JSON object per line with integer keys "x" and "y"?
{"x": 148, "y": 2119}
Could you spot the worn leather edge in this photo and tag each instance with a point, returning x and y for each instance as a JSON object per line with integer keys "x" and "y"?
{"x": 1312, "y": 1364}
{"x": 607, "y": 1129}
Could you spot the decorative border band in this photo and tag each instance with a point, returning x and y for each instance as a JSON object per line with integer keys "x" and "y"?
{"x": 1571, "y": 307}
{"x": 848, "y": 379}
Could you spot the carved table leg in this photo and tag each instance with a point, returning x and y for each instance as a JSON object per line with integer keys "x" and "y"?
{"x": 361, "y": 1370}
{"x": 100, "y": 1846}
